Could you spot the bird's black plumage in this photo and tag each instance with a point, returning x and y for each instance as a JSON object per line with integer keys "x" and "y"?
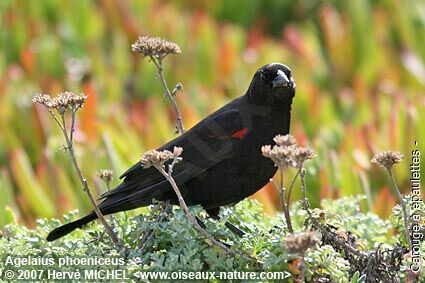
{"x": 222, "y": 161}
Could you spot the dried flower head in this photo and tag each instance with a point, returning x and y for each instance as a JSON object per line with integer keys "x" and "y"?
{"x": 65, "y": 100}
{"x": 158, "y": 158}
{"x": 155, "y": 46}
{"x": 105, "y": 175}
{"x": 387, "y": 159}
{"x": 282, "y": 156}
{"x": 301, "y": 154}
{"x": 286, "y": 152}
{"x": 70, "y": 100}
{"x": 301, "y": 242}
{"x": 43, "y": 99}
{"x": 286, "y": 140}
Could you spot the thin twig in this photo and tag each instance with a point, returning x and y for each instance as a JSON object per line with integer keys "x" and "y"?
{"x": 56, "y": 119}
{"x": 285, "y": 206}
{"x": 288, "y": 196}
{"x": 70, "y": 101}
{"x": 325, "y": 230}
{"x": 277, "y": 190}
{"x": 365, "y": 262}
{"x": 170, "y": 179}
{"x": 72, "y": 125}
{"x": 179, "y": 120}
{"x": 282, "y": 191}
{"x": 171, "y": 97}
{"x": 65, "y": 132}
{"x": 83, "y": 180}
{"x": 403, "y": 207}
{"x": 306, "y": 203}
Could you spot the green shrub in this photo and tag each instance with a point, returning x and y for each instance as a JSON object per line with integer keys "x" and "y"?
{"x": 176, "y": 245}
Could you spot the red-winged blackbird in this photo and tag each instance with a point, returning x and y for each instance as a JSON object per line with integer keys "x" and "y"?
{"x": 222, "y": 161}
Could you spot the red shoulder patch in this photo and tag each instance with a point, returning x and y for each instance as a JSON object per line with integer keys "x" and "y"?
{"x": 240, "y": 134}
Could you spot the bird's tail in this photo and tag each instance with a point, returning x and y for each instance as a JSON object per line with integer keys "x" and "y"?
{"x": 69, "y": 227}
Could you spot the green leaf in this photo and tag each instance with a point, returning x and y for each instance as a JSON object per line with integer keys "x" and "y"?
{"x": 36, "y": 198}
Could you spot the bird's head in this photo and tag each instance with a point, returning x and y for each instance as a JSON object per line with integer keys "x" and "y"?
{"x": 272, "y": 85}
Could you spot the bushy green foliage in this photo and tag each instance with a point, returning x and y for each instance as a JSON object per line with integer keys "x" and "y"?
{"x": 176, "y": 245}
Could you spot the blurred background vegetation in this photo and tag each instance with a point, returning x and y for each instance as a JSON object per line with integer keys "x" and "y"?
{"x": 359, "y": 67}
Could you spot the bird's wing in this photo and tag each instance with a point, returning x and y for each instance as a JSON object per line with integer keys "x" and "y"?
{"x": 210, "y": 142}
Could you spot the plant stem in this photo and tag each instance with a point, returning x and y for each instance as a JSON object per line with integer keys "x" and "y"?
{"x": 179, "y": 119}
{"x": 69, "y": 143}
{"x": 71, "y": 136}
{"x": 170, "y": 179}
{"x": 336, "y": 241}
{"x": 304, "y": 190}
{"x": 285, "y": 206}
{"x": 288, "y": 197}
{"x": 403, "y": 207}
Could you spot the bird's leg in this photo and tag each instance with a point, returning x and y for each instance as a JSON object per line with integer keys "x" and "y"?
{"x": 200, "y": 222}
{"x": 238, "y": 232}
{"x": 213, "y": 213}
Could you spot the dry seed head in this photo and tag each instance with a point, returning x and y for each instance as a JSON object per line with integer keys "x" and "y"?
{"x": 281, "y": 155}
{"x": 285, "y": 140}
{"x": 155, "y": 46}
{"x": 43, "y": 99}
{"x": 158, "y": 158}
{"x": 65, "y": 100}
{"x": 301, "y": 154}
{"x": 105, "y": 175}
{"x": 301, "y": 242}
{"x": 387, "y": 159}
{"x": 286, "y": 152}
{"x": 70, "y": 100}
{"x": 155, "y": 158}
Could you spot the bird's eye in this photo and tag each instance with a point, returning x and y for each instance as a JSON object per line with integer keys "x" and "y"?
{"x": 263, "y": 76}
{"x": 266, "y": 76}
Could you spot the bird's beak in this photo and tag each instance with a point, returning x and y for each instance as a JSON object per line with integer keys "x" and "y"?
{"x": 281, "y": 80}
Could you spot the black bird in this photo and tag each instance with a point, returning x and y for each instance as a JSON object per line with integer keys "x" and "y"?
{"x": 222, "y": 161}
